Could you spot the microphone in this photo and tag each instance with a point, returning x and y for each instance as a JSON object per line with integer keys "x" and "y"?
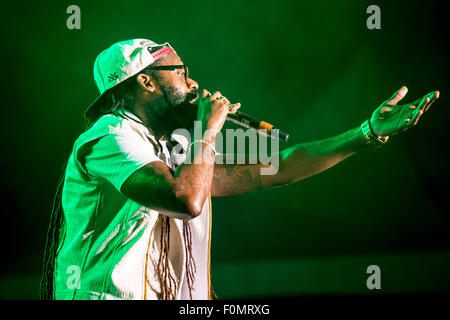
{"x": 246, "y": 121}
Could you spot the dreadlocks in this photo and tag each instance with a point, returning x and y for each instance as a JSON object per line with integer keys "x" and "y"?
{"x": 116, "y": 102}
{"x": 54, "y": 235}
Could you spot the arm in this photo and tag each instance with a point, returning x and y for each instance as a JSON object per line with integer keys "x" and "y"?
{"x": 307, "y": 159}
{"x": 182, "y": 194}
{"x": 295, "y": 163}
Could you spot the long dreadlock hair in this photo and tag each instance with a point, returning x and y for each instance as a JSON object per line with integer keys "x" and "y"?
{"x": 116, "y": 102}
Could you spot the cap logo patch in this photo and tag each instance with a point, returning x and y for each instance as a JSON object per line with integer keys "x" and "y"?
{"x": 113, "y": 76}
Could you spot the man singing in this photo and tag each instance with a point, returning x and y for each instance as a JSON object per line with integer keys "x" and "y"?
{"x": 131, "y": 222}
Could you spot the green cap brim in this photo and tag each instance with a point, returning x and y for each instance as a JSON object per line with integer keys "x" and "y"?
{"x": 94, "y": 109}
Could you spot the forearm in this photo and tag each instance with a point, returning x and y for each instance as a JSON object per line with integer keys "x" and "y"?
{"x": 193, "y": 179}
{"x": 295, "y": 163}
{"x": 307, "y": 159}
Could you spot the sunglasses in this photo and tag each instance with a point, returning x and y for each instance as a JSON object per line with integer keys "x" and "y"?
{"x": 174, "y": 67}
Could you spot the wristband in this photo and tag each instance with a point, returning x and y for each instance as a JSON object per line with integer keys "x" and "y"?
{"x": 370, "y": 137}
{"x": 205, "y": 142}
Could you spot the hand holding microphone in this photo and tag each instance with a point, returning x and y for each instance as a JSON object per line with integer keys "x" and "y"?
{"x": 213, "y": 110}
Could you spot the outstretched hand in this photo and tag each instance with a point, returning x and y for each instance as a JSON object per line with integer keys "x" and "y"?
{"x": 390, "y": 119}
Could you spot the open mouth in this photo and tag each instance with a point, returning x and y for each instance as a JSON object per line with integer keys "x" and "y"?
{"x": 193, "y": 98}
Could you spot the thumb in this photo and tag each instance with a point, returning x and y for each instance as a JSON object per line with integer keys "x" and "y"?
{"x": 399, "y": 95}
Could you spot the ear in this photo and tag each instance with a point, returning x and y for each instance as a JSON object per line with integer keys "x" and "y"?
{"x": 145, "y": 82}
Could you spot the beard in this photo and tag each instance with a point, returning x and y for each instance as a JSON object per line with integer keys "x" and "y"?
{"x": 173, "y": 111}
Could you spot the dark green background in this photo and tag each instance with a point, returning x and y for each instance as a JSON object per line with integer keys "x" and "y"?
{"x": 310, "y": 67}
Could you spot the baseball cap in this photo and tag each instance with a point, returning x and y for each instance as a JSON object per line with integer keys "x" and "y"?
{"x": 121, "y": 61}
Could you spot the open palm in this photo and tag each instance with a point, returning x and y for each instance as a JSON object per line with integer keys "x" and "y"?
{"x": 390, "y": 119}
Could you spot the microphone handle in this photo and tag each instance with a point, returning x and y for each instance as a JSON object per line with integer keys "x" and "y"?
{"x": 247, "y": 121}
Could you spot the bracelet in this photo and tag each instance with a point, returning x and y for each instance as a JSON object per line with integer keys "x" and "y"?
{"x": 370, "y": 137}
{"x": 205, "y": 142}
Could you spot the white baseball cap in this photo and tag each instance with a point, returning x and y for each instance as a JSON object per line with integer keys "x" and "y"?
{"x": 121, "y": 61}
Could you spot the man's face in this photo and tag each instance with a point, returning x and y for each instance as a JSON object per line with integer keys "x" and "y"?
{"x": 173, "y": 83}
{"x": 175, "y": 94}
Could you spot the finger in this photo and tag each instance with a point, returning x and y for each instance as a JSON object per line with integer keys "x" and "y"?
{"x": 418, "y": 104}
{"x": 220, "y": 101}
{"x": 224, "y": 102}
{"x": 415, "y": 118}
{"x": 234, "y": 107}
{"x": 424, "y": 103}
{"x": 435, "y": 97}
{"x": 429, "y": 105}
{"x": 205, "y": 93}
{"x": 399, "y": 95}
{"x": 216, "y": 95}
{"x": 430, "y": 96}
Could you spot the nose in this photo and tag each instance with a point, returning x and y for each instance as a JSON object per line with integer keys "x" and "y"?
{"x": 192, "y": 84}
